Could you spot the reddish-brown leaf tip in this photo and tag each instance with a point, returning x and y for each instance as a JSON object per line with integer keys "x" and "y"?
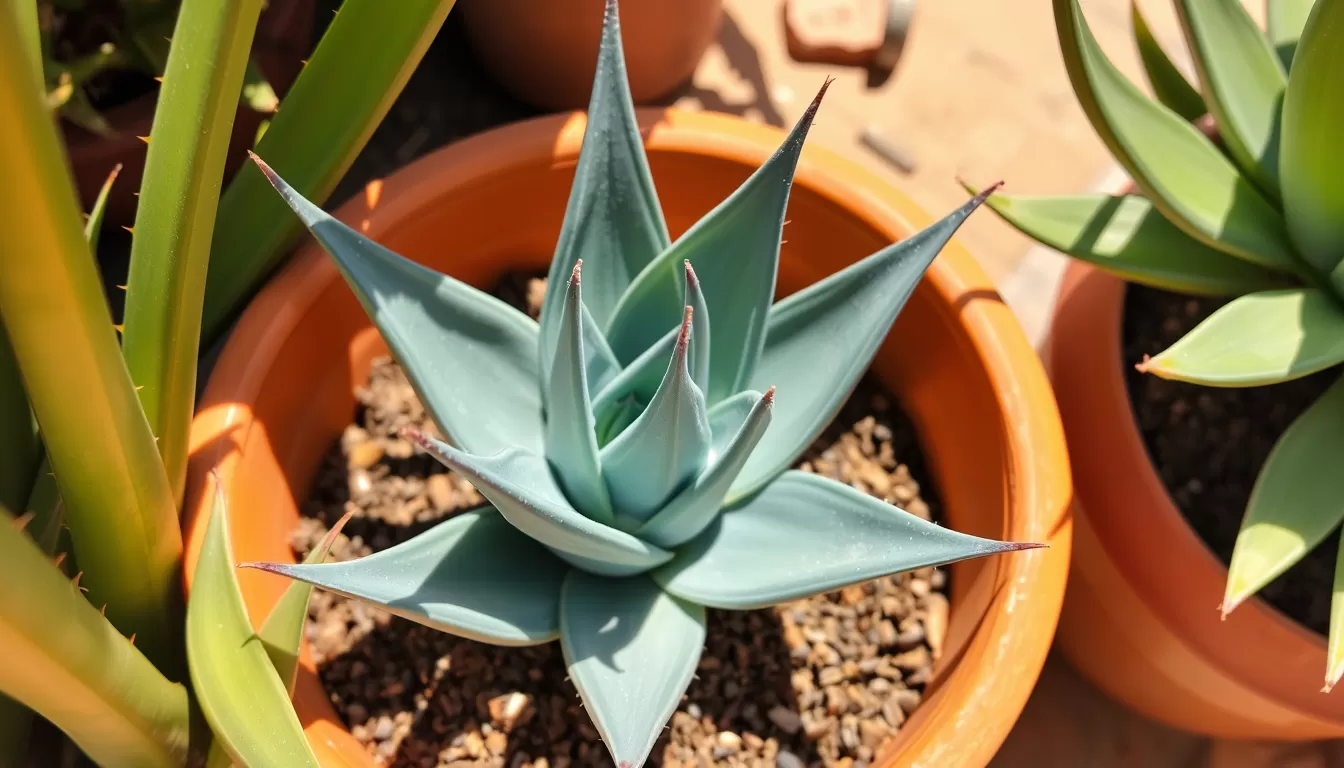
{"x": 1143, "y": 365}
{"x": 574, "y": 275}
{"x": 684, "y": 339}
{"x": 769, "y": 397}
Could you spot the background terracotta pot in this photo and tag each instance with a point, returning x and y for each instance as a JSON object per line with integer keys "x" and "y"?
{"x": 545, "y": 53}
{"x": 1141, "y": 615}
{"x": 283, "y": 387}
{"x": 284, "y": 32}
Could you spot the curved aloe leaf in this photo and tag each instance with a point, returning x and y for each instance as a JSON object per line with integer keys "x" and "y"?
{"x": 571, "y": 437}
{"x": 1311, "y": 163}
{"x": 93, "y": 226}
{"x": 1284, "y": 20}
{"x": 821, "y": 339}
{"x": 238, "y": 690}
{"x": 472, "y": 575}
{"x": 613, "y": 220}
{"x": 803, "y": 535}
{"x": 1126, "y": 236}
{"x": 692, "y": 510}
{"x": 727, "y": 418}
{"x": 1243, "y": 83}
{"x": 700, "y": 336}
{"x": 599, "y": 361}
{"x": 665, "y": 447}
{"x": 1334, "y": 652}
{"x": 1169, "y": 85}
{"x": 1298, "y": 499}
{"x": 735, "y": 250}
{"x": 69, "y": 664}
{"x": 521, "y": 487}
{"x": 1185, "y": 176}
{"x": 1259, "y": 338}
{"x": 438, "y": 327}
{"x": 631, "y": 650}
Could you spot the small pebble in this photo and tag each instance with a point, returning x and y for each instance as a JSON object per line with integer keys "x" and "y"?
{"x": 786, "y": 719}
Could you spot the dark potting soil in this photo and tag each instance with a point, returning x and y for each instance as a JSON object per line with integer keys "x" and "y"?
{"x": 819, "y": 681}
{"x": 1209, "y": 443}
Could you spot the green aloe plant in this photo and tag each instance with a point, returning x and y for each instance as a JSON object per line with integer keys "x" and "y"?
{"x": 1261, "y": 220}
{"x": 634, "y": 445}
{"x": 98, "y": 636}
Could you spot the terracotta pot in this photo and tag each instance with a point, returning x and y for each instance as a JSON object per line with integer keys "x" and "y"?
{"x": 1141, "y": 616}
{"x": 283, "y": 388}
{"x": 546, "y": 53}
{"x": 282, "y": 41}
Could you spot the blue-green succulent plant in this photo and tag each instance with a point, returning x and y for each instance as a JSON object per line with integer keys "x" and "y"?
{"x": 619, "y": 442}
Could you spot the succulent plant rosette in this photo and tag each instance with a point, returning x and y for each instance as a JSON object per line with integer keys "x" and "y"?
{"x": 634, "y": 445}
{"x": 1258, "y": 217}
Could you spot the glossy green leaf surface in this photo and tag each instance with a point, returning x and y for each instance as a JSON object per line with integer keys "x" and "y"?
{"x": 820, "y": 340}
{"x": 93, "y": 226}
{"x": 238, "y": 690}
{"x": 473, "y": 575}
{"x": 613, "y": 221}
{"x": 571, "y": 436}
{"x": 520, "y": 485}
{"x": 1298, "y": 499}
{"x": 1182, "y": 172}
{"x": 1284, "y": 20}
{"x": 631, "y": 650}
{"x": 735, "y": 252}
{"x": 118, "y": 502}
{"x": 1260, "y": 338}
{"x": 1242, "y": 80}
{"x": 358, "y": 69}
{"x": 1126, "y": 236}
{"x": 66, "y": 662}
{"x": 439, "y": 328}
{"x": 1311, "y": 164}
{"x": 665, "y": 447}
{"x": 1168, "y": 84}
{"x": 803, "y": 535}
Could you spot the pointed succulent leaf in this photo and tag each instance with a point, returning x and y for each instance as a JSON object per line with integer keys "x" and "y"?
{"x": 571, "y": 437}
{"x": 94, "y": 225}
{"x": 472, "y": 575}
{"x": 1310, "y": 162}
{"x": 727, "y": 418}
{"x": 1298, "y": 499}
{"x": 803, "y": 535}
{"x": 520, "y": 485}
{"x": 241, "y": 695}
{"x": 1260, "y": 338}
{"x": 1334, "y": 651}
{"x": 665, "y": 447}
{"x": 692, "y": 510}
{"x": 437, "y": 328}
{"x": 699, "y": 359}
{"x": 598, "y": 359}
{"x": 1126, "y": 236}
{"x": 821, "y": 339}
{"x": 631, "y": 650}
{"x": 735, "y": 250}
{"x": 1189, "y": 180}
{"x": 1243, "y": 83}
{"x": 1169, "y": 85}
{"x": 282, "y": 631}
{"x": 613, "y": 220}
{"x": 1284, "y": 20}
{"x": 615, "y": 420}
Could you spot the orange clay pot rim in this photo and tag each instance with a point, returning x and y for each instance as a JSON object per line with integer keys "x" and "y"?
{"x": 1025, "y": 608}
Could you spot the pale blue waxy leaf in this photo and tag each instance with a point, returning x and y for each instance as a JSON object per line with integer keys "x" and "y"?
{"x": 822, "y": 338}
{"x": 1243, "y": 83}
{"x": 735, "y": 251}
{"x": 700, "y": 336}
{"x": 631, "y": 650}
{"x": 1284, "y": 20}
{"x": 571, "y": 437}
{"x": 726, "y": 418}
{"x": 615, "y": 419}
{"x": 692, "y": 510}
{"x": 520, "y": 485}
{"x": 1126, "y": 236}
{"x": 803, "y": 535}
{"x": 1169, "y": 85}
{"x": 439, "y": 328}
{"x": 1190, "y": 180}
{"x": 665, "y": 448}
{"x": 598, "y": 358}
{"x": 1257, "y": 339}
{"x": 472, "y": 575}
{"x": 613, "y": 220}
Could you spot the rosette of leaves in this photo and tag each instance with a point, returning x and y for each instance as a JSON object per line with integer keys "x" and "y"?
{"x": 634, "y": 445}
{"x": 1258, "y": 217}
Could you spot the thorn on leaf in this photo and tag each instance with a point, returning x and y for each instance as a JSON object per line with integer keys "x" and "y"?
{"x": 22, "y": 521}
{"x": 132, "y": 638}
{"x": 58, "y": 560}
